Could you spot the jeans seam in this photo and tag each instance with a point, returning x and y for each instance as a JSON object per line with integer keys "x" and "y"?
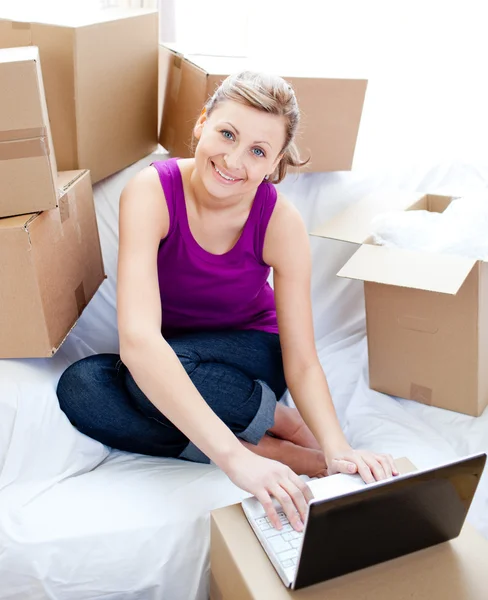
{"x": 157, "y": 421}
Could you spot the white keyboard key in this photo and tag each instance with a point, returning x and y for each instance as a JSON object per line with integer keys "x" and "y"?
{"x": 271, "y": 532}
{"x": 263, "y": 523}
{"x": 288, "y": 537}
{"x": 295, "y": 543}
{"x": 287, "y": 564}
{"x": 278, "y": 544}
{"x": 288, "y": 555}
{"x": 294, "y": 561}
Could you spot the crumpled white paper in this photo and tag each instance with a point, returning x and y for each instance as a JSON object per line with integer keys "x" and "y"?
{"x": 461, "y": 229}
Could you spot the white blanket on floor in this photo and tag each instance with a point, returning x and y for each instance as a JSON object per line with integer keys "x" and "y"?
{"x": 78, "y": 522}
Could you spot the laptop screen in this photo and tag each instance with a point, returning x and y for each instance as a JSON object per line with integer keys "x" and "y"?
{"x": 387, "y": 520}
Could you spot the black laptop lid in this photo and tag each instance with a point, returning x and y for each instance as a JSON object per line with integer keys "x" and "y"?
{"x": 386, "y": 521}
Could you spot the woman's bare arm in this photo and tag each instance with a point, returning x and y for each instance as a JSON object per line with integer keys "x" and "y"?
{"x": 156, "y": 368}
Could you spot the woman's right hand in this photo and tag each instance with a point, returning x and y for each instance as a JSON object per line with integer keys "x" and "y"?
{"x": 266, "y": 479}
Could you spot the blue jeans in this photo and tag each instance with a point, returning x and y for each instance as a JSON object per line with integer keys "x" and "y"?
{"x": 238, "y": 373}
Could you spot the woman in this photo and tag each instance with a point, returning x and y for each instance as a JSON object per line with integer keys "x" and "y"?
{"x": 206, "y": 347}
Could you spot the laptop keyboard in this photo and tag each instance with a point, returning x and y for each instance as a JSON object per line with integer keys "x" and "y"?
{"x": 285, "y": 543}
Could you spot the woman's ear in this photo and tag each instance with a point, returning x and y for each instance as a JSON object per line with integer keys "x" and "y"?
{"x": 197, "y": 130}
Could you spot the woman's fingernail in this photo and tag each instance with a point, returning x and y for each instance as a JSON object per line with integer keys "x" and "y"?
{"x": 352, "y": 468}
{"x": 299, "y": 526}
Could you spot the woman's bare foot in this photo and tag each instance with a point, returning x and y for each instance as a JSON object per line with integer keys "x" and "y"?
{"x": 290, "y": 426}
{"x": 303, "y": 461}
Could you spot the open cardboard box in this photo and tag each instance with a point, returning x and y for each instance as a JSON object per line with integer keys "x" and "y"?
{"x": 240, "y": 569}
{"x": 331, "y": 106}
{"x": 426, "y": 313}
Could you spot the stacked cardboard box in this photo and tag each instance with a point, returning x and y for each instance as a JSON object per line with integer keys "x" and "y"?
{"x": 331, "y": 106}
{"x": 50, "y": 258}
{"x": 101, "y": 77}
{"x": 27, "y": 161}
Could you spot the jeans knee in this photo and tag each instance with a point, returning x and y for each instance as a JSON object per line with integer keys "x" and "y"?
{"x": 77, "y": 379}
{"x": 69, "y": 380}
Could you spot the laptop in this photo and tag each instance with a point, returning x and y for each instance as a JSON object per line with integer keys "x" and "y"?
{"x": 351, "y": 525}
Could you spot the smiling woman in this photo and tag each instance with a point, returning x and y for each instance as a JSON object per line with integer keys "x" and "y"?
{"x": 207, "y": 347}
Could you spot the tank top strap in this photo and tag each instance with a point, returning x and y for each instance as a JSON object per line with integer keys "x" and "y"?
{"x": 170, "y": 179}
{"x": 261, "y": 212}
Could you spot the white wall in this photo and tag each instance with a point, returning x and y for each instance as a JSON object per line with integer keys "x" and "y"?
{"x": 47, "y": 6}
{"x": 425, "y": 61}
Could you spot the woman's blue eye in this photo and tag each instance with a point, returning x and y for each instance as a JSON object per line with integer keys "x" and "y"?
{"x": 257, "y": 152}
{"x": 227, "y": 134}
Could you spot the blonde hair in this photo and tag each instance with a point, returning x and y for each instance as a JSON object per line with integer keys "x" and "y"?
{"x": 273, "y": 95}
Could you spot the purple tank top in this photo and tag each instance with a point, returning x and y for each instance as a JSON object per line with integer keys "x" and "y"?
{"x": 201, "y": 291}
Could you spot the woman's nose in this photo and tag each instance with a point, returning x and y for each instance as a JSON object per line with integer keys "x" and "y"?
{"x": 234, "y": 159}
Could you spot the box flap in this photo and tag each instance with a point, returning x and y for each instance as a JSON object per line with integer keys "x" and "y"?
{"x": 17, "y": 222}
{"x": 220, "y": 64}
{"x": 444, "y": 273}
{"x": 213, "y": 59}
{"x": 354, "y": 224}
{"x": 67, "y": 178}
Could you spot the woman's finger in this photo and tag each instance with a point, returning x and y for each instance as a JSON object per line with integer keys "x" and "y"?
{"x": 394, "y": 469}
{"x": 341, "y": 465}
{"x": 375, "y": 467}
{"x": 385, "y": 463}
{"x": 266, "y": 502}
{"x": 288, "y": 506}
{"x": 365, "y": 471}
{"x": 301, "y": 485}
{"x": 296, "y": 496}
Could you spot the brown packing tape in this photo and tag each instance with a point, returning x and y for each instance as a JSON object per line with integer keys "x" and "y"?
{"x": 80, "y": 298}
{"x": 215, "y": 593}
{"x": 171, "y": 136}
{"x": 24, "y": 148}
{"x": 64, "y": 207}
{"x": 420, "y": 393}
{"x": 10, "y": 135}
{"x": 175, "y": 84}
{"x": 20, "y": 25}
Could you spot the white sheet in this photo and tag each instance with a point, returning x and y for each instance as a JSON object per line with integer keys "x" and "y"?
{"x": 78, "y": 522}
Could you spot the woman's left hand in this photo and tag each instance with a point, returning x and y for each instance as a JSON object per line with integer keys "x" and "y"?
{"x": 370, "y": 465}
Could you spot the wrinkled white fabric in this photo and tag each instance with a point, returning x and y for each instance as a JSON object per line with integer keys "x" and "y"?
{"x": 78, "y": 522}
{"x": 460, "y": 229}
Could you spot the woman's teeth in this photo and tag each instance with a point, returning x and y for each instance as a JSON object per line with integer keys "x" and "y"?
{"x": 222, "y": 175}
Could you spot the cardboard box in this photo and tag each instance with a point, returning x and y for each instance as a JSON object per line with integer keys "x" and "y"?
{"x": 426, "y": 313}
{"x": 331, "y": 107}
{"x": 50, "y": 267}
{"x": 27, "y": 162}
{"x": 101, "y": 76}
{"x": 240, "y": 570}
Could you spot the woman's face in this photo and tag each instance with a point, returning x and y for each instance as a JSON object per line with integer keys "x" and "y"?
{"x": 237, "y": 147}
